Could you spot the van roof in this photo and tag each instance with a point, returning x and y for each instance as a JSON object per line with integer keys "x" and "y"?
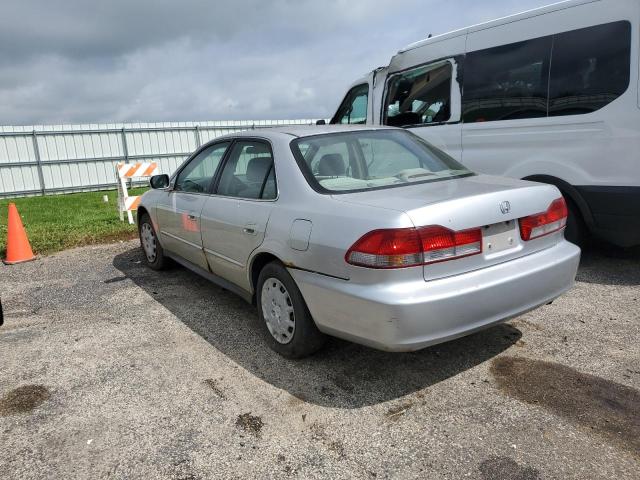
{"x": 500, "y": 21}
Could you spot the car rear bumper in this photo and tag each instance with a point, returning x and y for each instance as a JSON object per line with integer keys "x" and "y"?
{"x": 413, "y": 315}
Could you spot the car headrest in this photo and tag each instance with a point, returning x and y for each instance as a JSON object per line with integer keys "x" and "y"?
{"x": 257, "y": 169}
{"x": 258, "y": 149}
{"x": 331, "y": 165}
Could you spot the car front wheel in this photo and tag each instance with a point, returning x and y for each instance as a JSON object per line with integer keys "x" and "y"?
{"x": 153, "y": 253}
{"x": 287, "y": 323}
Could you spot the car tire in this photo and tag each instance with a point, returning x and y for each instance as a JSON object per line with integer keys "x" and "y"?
{"x": 576, "y": 231}
{"x": 285, "y": 319}
{"x": 151, "y": 248}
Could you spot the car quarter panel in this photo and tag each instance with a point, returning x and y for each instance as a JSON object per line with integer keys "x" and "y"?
{"x": 333, "y": 228}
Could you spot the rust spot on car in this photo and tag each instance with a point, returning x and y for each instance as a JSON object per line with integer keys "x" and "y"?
{"x": 610, "y": 409}
{"x": 23, "y": 399}
{"x": 249, "y": 423}
{"x": 506, "y": 468}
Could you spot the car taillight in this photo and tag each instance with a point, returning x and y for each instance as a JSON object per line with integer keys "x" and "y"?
{"x": 439, "y": 243}
{"x": 409, "y": 247}
{"x": 541, "y": 224}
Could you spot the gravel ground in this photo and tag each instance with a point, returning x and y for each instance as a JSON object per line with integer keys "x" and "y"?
{"x": 111, "y": 370}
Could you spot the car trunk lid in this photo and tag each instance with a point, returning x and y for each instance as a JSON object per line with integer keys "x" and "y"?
{"x": 493, "y": 204}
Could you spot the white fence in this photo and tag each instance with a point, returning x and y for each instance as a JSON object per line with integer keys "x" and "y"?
{"x": 68, "y": 158}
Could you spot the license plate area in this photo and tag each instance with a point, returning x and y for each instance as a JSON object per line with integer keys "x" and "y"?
{"x": 500, "y": 237}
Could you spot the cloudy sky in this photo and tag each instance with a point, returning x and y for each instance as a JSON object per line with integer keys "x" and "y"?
{"x": 73, "y": 61}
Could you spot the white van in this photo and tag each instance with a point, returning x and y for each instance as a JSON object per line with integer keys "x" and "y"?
{"x": 549, "y": 95}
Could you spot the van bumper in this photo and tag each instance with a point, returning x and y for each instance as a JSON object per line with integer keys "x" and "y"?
{"x": 418, "y": 313}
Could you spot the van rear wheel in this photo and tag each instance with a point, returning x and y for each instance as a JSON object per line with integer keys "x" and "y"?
{"x": 576, "y": 231}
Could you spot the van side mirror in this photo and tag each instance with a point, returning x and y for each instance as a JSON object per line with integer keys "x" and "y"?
{"x": 321, "y": 122}
{"x": 159, "y": 181}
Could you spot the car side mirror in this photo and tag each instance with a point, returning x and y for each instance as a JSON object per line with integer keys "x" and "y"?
{"x": 159, "y": 181}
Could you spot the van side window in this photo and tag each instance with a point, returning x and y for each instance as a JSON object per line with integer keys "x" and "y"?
{"x": 353, "y": 109}
{"x": 420, "y": 96}
{"x": 507, "y": 82}
{"x": 590, "y": 68}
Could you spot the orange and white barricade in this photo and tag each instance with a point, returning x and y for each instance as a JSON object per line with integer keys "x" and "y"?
{"x": 128, "y": 171}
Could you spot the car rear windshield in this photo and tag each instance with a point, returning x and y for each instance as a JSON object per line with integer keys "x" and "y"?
{"x": 371, "y": 159}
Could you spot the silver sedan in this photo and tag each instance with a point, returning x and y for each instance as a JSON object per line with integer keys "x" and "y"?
{"x": 368, "y": 234}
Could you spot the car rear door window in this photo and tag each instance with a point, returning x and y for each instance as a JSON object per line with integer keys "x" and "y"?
{"x": 590, "y": 68}
{"x": 197, "y": 175}
{"x": 248, "y": 172}
{"x": 507, "y": 82}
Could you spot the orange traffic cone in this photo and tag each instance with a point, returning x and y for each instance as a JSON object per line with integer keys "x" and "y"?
{"x": 18, "y": 248}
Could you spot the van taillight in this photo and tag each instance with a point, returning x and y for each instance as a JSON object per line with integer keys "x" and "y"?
{"x": 541, "y": 224}
{"x": 409, "y": 247}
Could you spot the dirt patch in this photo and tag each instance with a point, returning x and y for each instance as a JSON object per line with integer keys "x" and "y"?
{"x": 525, "y": 323}
{"x": 338, "y": 448}
{"x": 249, "y": 423}
{"x": 319, "y": 433}
{"x": 505, "y": 468}
{"x": 397, "y": 411}
{"x": 23, "y": 399}
{"x": 116, "y": 279}
{"x": 296, "y": 399}
{"x": 213, "y": 385}
{"x": 608, "y": 408}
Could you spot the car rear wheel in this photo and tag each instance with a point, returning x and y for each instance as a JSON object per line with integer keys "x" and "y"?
{"x": 286, "y": 320}
{"x": 153, "y": 253}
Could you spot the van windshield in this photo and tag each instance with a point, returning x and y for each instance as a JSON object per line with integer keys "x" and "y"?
{"x": 370, "y": 159}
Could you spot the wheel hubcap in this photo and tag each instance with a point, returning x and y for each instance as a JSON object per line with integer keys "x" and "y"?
{"x": 277, "y": 310}
{"x": 148, "y": 239}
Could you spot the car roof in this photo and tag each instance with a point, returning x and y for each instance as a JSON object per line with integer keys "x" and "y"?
{"x": 306, "y": 130}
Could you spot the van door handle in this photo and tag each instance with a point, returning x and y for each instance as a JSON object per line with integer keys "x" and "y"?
{"x": 250, "y": 229}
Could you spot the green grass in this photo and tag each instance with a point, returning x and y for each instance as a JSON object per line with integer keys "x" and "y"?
{"x": 56, "y": 222}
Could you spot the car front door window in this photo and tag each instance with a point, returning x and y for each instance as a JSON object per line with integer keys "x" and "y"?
{"x": 196, "y": 177}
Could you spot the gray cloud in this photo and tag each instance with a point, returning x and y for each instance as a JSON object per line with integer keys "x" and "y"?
{"x": 76, "y": 61}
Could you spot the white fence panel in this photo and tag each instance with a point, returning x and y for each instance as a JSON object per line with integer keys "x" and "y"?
{"x": 66, "y": 158}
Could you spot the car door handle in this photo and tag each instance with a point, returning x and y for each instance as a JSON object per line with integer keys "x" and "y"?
{"x": 249, "y": 229}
